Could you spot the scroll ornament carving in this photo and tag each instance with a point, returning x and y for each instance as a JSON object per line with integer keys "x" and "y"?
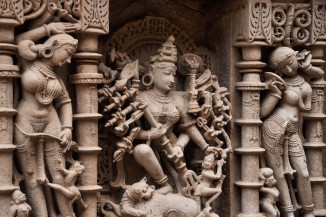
{"x": 285, "y": 24}
{"x": 70, "y": 10}
{"x": 91, "y": 14}
{"x": 289, "y": 96}
{"x": 159, "y": 122}
{"x": 291, "y": 22}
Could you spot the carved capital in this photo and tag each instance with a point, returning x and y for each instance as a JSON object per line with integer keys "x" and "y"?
{"x": 11, "y": 12}
{"x": 95, "y": 16}
{"x": 318, "y": 27}
{"x": 255, "y": 21}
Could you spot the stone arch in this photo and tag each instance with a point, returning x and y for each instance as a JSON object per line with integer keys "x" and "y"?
{"x": 141, "y": 38}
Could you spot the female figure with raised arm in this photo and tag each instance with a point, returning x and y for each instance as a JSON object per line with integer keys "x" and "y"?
{"x": 44, "y": 120}
{"x": 282, "y": 108}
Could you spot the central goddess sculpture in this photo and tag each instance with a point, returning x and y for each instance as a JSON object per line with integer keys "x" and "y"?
{"x": 170, "y": 120}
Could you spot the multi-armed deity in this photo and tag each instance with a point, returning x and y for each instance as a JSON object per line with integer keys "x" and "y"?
{"x": 156, "y": 125}
{"x": 289, "y": 97}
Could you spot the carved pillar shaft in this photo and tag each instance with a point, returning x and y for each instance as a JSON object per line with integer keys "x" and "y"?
{"x": 86, "y": 80}
{"x": 8, "y": 71}
{"x": 314, "y": 135}
{"x": 249, "y": 122}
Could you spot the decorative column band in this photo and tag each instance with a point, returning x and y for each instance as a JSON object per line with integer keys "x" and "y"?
{"x": 7, "y": 189}
{"x": 86, "y": 78}
{"x": 87, "y": 116}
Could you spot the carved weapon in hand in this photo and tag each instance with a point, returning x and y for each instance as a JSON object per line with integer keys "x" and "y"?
{"x": 124, "y": 146}
{"x": 129, "y": 71}
{"x": 122, "y": 128}
{"x": 188, "y": 65}
{"x": 120, "y": 115}
{"x": 210, "y": 133}
{"x": 119, "y": 100}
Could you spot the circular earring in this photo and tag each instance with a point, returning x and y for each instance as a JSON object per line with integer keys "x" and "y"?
{"x": 47, "y": 52}
{"x": 147, "y": 79}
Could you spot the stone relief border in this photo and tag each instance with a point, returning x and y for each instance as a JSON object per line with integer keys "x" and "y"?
{"x": 265, "y": 24}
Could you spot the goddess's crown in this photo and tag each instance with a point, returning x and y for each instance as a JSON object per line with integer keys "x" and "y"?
{"x": 166, "y": 53}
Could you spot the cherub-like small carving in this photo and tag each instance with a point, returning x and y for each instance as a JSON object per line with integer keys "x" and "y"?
{"x": 19, "y": 207}
{"x": 270, "y": 192}
{"x": 208, "y": 177}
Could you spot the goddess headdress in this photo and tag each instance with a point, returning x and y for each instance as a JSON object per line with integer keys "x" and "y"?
{"x": 167, "y": 53}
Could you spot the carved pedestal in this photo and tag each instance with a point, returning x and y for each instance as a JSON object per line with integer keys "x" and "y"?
{"x": 250, "y": 121}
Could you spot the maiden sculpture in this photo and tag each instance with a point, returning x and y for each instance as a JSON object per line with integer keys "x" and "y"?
{"x": 288, "y": 98}
{"x": 42, "y": 134}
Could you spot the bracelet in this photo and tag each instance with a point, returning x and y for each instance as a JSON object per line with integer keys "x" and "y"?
{"x": 66, "y": 126}
{"x": 47, "y": 30}
{"x": 308, "y": 68}
{"x": 182, "y": 148}
{"x": 148, "y": 136}
{"x": 276, "y": 95}
{"x": 203, "y": 149}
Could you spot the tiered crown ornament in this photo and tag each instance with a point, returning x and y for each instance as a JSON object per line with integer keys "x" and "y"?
{"x": 167, "y": 52}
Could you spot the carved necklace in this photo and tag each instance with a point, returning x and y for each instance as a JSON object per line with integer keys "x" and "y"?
{"x": 296, "y": 81}
{"x": 44, "y": 69}
{"x": 160, "y": 98}
{"x": 164, "y": 101}
{"x": 41, "y": 94}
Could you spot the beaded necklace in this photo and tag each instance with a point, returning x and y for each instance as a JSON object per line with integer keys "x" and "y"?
{"x": 41, "y": 94}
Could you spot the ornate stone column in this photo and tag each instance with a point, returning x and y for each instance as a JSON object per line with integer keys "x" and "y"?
{"x": 249, "y": 122}
{"x": 86, "y": 80}
{"x": 314, "y": 135}
{"x": 313, "y": 121}
{"x": 8, "y": 71}
{"x": 254, "y": 32}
